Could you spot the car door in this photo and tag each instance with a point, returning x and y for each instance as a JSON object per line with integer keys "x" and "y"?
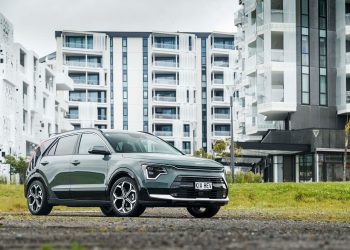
{"x": 56, "y": 166}
{"x": 88, "y": 171}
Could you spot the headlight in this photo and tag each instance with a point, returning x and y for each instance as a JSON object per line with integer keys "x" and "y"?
{"x": 152, "y": 172}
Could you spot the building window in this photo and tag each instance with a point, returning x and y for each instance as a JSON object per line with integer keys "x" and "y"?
{"x": 125, "y": 83}
{"x": 322, "y": 5}
{"x": 186, "y": 130}
{"x": 306, "y": 168}
{"x": 204, "y": 92}
{"x": 145, "y": 84}
{"x": 305, "y": 53}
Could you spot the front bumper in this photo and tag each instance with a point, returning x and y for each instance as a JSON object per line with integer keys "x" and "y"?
{"x": 182, "y": 193}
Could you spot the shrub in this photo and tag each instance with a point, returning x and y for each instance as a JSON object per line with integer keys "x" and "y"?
{"x": 247, "y": 177}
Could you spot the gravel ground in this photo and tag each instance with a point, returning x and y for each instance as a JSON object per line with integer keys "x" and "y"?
{"x": 163, "y": 228}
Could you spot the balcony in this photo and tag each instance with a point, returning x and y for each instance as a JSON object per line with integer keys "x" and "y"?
{"x": 163, "y": 63}
{"x": 347, "y": 96}
{"x": 221, "y": 133}
{"x": 277, "y": 94}
{"x": 217, "y": 98}
{"x": 165, "y": 116}
{"x": 77, "y": 99}
{"x": 77, "y": 45}
{"x": 163, "y": 81}
{"x": 223, "y": 46}
{"x": 347, "y": 19}
{"x": 160, "y": 45}
{"x": 277, "y": 55}
{"x": 276, "y": 16}
{"x": 72, "y": 116}
{"x": 95, "y": 99}
{"x": 83, "y": 64}
{"x": 160, "y": 98}
{"x": 347, "y": 57}
{"x": 218, "y": 81}
{"x": 101, "y": 117}
{"x": 163, "y": 133}
{"x": 186, "y": 133}
{"x": 221, "y": 116}
{"x": 25, "y": 102}
{"x": 187, "y": 151}
{"x": 220, "y": 63}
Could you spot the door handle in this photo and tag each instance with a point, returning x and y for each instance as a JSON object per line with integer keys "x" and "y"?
{"x": 75, "y": 162}
{"x": 44, "y": 163}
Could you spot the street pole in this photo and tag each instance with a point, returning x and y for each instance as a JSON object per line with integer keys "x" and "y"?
{"x": 232, "y": 148}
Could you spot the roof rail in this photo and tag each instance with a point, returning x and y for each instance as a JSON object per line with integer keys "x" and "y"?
{"x": 75, "y": 130}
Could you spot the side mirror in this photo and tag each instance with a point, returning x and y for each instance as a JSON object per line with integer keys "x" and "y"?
{"x": 99, "y": 150}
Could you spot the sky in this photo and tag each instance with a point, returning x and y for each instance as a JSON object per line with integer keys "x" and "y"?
{"x": 35, "y": 21}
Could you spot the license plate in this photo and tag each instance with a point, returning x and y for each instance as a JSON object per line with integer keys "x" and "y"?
{"x": 203, "y": 185}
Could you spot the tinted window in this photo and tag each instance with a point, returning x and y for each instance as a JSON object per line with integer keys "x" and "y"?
{"x": 66, "y": 145}
{"x": 139, "y": 143}
{"x": 38, "y": 152}
{"x": 87, "y": 141}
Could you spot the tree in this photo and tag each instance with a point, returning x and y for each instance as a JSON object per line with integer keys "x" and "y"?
{"x": 202, "y": 153}
{"x": 17, "y": 166}
{"x": 222, "y": 148}
{"x": 346, "y": 139}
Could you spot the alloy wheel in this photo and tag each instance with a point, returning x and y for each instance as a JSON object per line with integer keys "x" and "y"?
{"x": 124, "y": 197}
{"x": 35, "y": 197}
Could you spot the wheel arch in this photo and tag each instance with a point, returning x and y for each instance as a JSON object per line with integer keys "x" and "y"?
{"x": 35, "y": 177}
{"x": 124, "y": 172}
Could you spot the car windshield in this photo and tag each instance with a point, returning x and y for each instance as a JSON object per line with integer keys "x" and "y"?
{"x": 139, "y": 143}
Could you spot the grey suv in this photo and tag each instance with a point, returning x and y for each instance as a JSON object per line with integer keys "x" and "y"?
{"x": 122, "y": 173}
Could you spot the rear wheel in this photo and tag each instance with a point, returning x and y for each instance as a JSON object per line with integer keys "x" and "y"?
{"x": 125, "y": 198}
{"x": 204, "y": 212}
{"x": 108, "y": 211}
{"x": 37, "y": 199}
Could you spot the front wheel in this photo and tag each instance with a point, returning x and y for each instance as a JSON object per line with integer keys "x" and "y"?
{"x": 204, "y": 212}
{"x": 37, "y": 199}
{"x": 107, "y": 211}
{"x": 125, "y": 198}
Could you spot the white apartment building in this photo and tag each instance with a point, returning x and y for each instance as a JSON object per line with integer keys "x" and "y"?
{"x": 266, "y": 86}
{"x": 175, "y": 85}
{"x": 30, "y": 104}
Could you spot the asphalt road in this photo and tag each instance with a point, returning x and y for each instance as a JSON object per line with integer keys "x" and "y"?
{"x": 167, "y": 229}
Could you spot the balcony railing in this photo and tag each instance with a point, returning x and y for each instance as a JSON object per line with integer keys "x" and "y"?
{"x": 25, "y": 101}
{"x": 92, "y": 82}
{"x": 165, "y": 64}
{"x": 186, "y": 151}
{"x": 221, "y": 133}
{"x": 277, "y": 16}
{"x": 79, "y": 81}
{"x": 277, "y": 95}
{"x": 164, "y": 98}
{"x": 165, "y": 116}
{"x": 347, "y": 18}
{"x": 277, "y": 55}
{"x": 163, "y": 133}
{"x": 164, "y": 46}
{"x": 347, "y": 57}
{"x": 77, "y": 45}
{"x": 347, "y": 96}
{"x": 218, "y": 81}
{"x": 101, "y": 117}
{"x": 220, "y": 64}
{"x": 77, "y": 99}
{"x": 186, "y": 133}
{"x": 217, "y": 98}
{"x": 221, "y": 116}
{"x": 83, "y": 64}
{"x": 93, "y": 99}
{"x": 223, "y": 46}
{"x": 72, "y": 116}
{"x": 165, "y": 81}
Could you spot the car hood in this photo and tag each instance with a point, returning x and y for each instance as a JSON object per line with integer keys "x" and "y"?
{"x": 176, "y": 160}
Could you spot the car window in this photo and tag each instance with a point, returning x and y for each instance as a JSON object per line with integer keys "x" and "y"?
{"x": 87, "y": 141}
{"x": 66, "y": 145}
{"x": 52, "y": 150}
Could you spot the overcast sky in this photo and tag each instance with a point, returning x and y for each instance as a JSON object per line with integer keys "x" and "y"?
{"x": 36, "y": 20}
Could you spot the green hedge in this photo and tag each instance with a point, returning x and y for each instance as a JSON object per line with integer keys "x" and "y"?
{"x": 245, "y": 177}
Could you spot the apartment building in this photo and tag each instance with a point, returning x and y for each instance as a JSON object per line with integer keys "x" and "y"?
{"x": 31, "y": 105}
{"x": 175, "y": 85}
{"x": 291, "y": 95}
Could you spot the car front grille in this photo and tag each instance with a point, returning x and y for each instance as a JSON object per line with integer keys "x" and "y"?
{"x": 183, "y": 187}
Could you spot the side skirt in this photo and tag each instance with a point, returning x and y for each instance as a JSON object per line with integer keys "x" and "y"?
{"x": 78, "y": 203}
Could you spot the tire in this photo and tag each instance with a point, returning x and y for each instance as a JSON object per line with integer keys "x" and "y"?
{"x": 204, "y": 212}
{"x": 37, "y": 199}
{"x": 107, "y": 211}
{"x": 125, "y": 198}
